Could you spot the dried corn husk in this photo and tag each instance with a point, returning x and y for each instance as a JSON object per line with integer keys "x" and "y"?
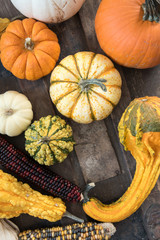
{"x": 8, "y": 230}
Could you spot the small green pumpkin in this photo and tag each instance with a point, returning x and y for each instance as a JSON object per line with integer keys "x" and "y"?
{"x": 49, "y": 140}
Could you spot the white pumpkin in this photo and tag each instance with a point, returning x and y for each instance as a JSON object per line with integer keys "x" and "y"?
{"x": 8, "y": 230}
{"x": 15, "y": 113}
{"x": 50, "y": 11}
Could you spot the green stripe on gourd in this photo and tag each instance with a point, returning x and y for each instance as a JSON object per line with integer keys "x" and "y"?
{"x": 64, "y": 150}
{"x": 53, "y": 155}
{"x": 69, "y": 139}
{"x": 49, "y": 140}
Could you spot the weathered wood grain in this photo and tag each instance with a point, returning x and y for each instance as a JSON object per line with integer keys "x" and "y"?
{"x": 8, "y": 10}
{"x": 143, "y": 82}
{"x": 87, "y": 16}
{"x": 94, "y": 150}
{"x": 151, "y": 213}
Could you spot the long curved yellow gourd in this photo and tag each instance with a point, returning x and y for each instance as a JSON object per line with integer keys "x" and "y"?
{"x": 139, "y": 132}
{"x": 17, "y": 198}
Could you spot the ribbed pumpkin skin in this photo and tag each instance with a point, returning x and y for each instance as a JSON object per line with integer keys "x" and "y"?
{"x": 49, "y": 140}
{"x": 139, "y": 132}
{"x": 24, "y": 63}
{"x": 124, "y": 36}
{"x": 85, "y": 106}
{"x": 49, "y": 11}
{"x": 15, "y": 113}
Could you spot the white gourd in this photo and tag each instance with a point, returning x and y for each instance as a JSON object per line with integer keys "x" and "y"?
{"x": 50, "y": 11}
{"x": 15, "y": 113}
{"x": 8, "y": 230}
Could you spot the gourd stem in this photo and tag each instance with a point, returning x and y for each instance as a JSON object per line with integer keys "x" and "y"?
{"x": 69, "y": 215}
{"x": 86, "y": 190}
{"x": 44, "y": 140}
{"x": 151, "y": 10}
{"x": 84, "y": 84}
{"x": 29, "y": 44}
{"x": 17, "y": 17}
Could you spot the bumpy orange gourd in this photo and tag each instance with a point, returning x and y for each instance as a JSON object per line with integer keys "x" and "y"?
{"x": 139, "y": 132}
{"x": 128, "y": 32}
{"x": 29, "y": 49}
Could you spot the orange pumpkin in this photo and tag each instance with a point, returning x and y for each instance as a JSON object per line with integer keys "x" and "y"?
{"x": 29, "y": 49}
{"x": 128, "y": 32}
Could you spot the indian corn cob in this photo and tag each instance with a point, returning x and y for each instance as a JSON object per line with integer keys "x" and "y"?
{"x": 84, "y": 231}
{"x": 22, "y": 165}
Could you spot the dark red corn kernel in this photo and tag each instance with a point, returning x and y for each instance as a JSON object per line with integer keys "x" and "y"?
{"x": 9, "y": 155}
{"x": 27, "y": 174}
{"x": 16, "y": 161}
{"x": 39, "y": 170}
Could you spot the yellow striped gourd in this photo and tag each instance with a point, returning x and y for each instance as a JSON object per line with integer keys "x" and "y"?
{"x": 85, "y": 87}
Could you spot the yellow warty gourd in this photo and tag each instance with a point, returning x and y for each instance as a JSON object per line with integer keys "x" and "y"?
{"x": 139, "y": 132}
{"x": 17, "y": 198}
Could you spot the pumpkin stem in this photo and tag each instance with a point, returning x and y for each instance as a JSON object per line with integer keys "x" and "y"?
{"x": 29, "y": 43}
{"x": 86, "y": 191}
{"x": 84, "y": 84}
{"x": 151, "y": 10}
{"x": 9, "y": 112}
{"x": 69, "y": 215}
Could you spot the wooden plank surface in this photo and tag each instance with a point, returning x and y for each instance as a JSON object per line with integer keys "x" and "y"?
{"x": 98, "y": 156}
{"x": 95, "y": 152}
